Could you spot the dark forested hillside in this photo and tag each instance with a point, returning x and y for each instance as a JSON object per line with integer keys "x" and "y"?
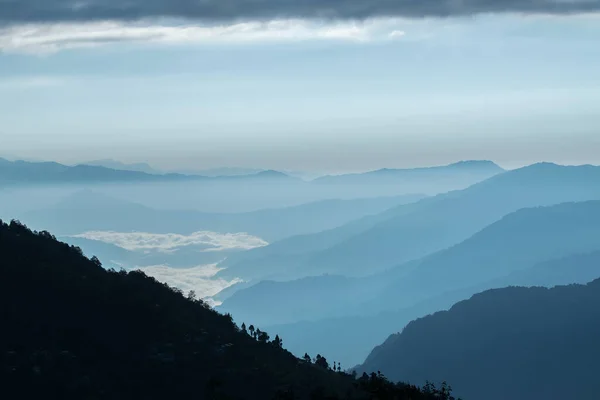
{"x": 71, "y": 329}
{"x": 512, "y": 343}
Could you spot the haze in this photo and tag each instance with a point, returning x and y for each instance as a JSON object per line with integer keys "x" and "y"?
{"x": 325, "y": 95}
{"x": 317, "y": 199}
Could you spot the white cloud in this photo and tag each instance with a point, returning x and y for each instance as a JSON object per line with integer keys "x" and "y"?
{"x": 395, "y": 34}
{"x": 199, "y": 279}
{"x": 48, "y": 38}
{"x": 211, "y": 241}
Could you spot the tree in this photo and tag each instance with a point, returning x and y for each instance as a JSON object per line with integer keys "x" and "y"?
{"x": 277, "y": 341}
{"x": 96, "y": 261}
{"x": 263, "y": 337}
{"x": 251, "y": 330}
{"x": 307, "y": 358}
{"x": 192, "y": 295}
{"x": 321, "y": 362}
{"x": 244, "y": 327}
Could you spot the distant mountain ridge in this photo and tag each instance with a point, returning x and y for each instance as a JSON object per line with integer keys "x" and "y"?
{"x": 114, "y": 164}
{"x": 352, "y": 346}
{"x": 91, "y": 210}
{"x": 483, "y": 167}
{"x": 518, "y": 241}
{"x": 412, "y": 231}
{"x": 30, "y": 173}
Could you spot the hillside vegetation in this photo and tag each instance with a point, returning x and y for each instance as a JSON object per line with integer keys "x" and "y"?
{"x": 73, "y": 330}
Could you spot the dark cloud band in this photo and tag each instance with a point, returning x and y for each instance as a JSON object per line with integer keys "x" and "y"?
{"x": 21, "y": 11}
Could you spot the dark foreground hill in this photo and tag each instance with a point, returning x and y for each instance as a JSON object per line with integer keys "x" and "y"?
{"x": 513, "y": 343}
{"x": 73, "y": 330}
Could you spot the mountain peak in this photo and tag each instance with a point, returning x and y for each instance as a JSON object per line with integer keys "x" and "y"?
{"x": 479, "y": 164}
{"x": 270, "y": 173}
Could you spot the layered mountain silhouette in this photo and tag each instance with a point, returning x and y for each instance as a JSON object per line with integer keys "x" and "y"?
{"x": 31, "y": 173}
{"x": 74, "y": 330}
{"x": 280, "y": 258}
{"x": 537, "y": 246}
{"x": 452, "y": 176}
{"x": 512, "y": 343}
{"x": 136, "y": 167}
{"x": 351, "y": 338}
{"x": 416, "y": 230}
{"x": 91, "y": 210}
{"x": 224, "y": 171}
{"x": 516, "y": 242}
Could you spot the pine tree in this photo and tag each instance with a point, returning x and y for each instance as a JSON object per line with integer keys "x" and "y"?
{"x": 307, "y": 358}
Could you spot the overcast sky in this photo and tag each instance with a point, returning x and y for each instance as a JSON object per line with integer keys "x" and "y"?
{"x": 336, "y": 85}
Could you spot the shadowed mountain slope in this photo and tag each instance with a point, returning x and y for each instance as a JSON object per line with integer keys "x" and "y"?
{"x": 539, "y": 343}
{"x": 350, "y": 339}
{"x": 76, "y": 330}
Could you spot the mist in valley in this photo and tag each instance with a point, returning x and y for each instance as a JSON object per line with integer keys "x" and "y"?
{"x": 278, "y": 200}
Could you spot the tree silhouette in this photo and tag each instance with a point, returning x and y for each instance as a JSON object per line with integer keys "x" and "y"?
{"x": 321, "y": 362}
{"x": 244, "y": 327}
{"x": 96, "y": 261}
{"x": 251, "y": 330}
{"x": 307, "y": 358}
{"x": 263, "y": 337}
{"x": 277, "y": 341}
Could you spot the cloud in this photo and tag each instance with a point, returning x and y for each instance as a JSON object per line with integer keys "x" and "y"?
{"x": 40, "y": 38}
{"x": 27, "y": 11}
{"x": 208, "y": 241}
{"x": 199, "y": 279}
{"x": 395, "y": 34}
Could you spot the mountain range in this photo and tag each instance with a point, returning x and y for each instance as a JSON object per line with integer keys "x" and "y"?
{"x": 32, "y": 173}
{"x": 135, "y": 167}
{"x": 89, "y": 210}
{"x": 351, "y": 338}
{"x": 412, "y": 231}
{"x": 147, "y": 168}
{"x": 518, "y": 241}
{"x": 511, "y": 343}
{"x": 452, "y": 176}
{"x": 374, "y": 299}
{"x": 76, "y": 330}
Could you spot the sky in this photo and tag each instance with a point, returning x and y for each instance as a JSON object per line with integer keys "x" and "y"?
{"x": 331, "y": 86}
